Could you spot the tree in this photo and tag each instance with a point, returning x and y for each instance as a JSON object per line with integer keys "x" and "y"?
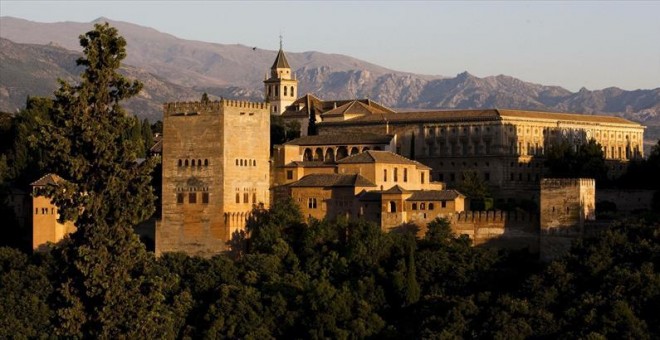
{"x": 106, "y": 287}
{"x": 476, "y": 190}
{"x": 584, "y": 160}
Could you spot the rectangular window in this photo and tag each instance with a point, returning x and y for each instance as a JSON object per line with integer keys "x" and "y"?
{"x": 205, "y": 197}
{"x": 396, "y": 174}
{"x": 444, "y": 204}
{"x": 179, "y": 198}
{"x": 405, "y": 174}
{"x": 423, "y": 173}
{"x": 192, "y": 197}
{"x": 289, "y": 174}
{"x": 384, "y": 175}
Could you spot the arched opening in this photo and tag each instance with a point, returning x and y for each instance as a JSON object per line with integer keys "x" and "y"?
{"x": 414, "y": 206}
{"x": 180, "y": 162}
{"x": 285, "y": 91}
{"x": 330, "y": 155}
{"x": 392, "y": 207}
{"x": 307, "y": 155}
{"x": 430, "y": 206}
{"x": 206, "y": 162}
{"x": 185, "y": 163}
{"x": 342, "y": 152}
{"x": 292, "y": 93}
{"x": 318, "y": 154}
{"x": 354, "y": 151}
{"x": 199, "y": 162}
{"x": 422, "y": 206}
{"x": 192, "y": 162}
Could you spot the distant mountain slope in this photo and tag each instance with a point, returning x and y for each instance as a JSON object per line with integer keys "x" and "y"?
{"x": 178, "y": 69}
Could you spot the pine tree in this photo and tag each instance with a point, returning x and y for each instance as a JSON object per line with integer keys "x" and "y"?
{"x": 106, "y": 286}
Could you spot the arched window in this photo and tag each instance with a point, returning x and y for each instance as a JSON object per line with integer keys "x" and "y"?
{"x": 238, "y": 198}
{"x": 186, "y": 163}
{"x": 246, "y": 196}
{"x": 292, "y": 95}
{"x": 405, "y": 174}
{"x": 396, "y": 174}
{"x": 430, "y": 206}
{"x": 414, "y": 206}
{"x": 268, "y": 91}
{"x": 254, "y": 162}
{"x": 192, "y": 162}
{"x": 236, "y": 161}
{"x": 180, "y": 162}
{"x": 422, "y": 206}
{"x": 285, "y": 88}
{"x": 254, "y": 198}
{"x": 392, "y": 206}
{"x": 277, "y": 91}
{"x": 199, "y": 162}
{"x": 384, "y": 175}
{"x": 307, "y": 156}
{"x": 206, "y": 162}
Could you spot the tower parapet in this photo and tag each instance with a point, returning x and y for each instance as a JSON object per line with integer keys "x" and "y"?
{"x": 195, "y": 108}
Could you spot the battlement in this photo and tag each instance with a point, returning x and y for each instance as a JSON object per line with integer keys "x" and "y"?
{"x": 493, "y": 216}
{"x": 194, "y": 108}
{"x": 556, "y": 183}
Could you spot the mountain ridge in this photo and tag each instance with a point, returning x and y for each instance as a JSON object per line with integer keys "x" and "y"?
{"x": 184, "y": 69}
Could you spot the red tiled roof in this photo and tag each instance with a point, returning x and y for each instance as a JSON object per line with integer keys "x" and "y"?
{"x": 387, "y": 157}
{"x": 333, "y": 180}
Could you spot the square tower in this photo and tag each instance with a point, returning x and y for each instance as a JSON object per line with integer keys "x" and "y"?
{"x": 566, "y": 203}
{"x": 215, "y": 170}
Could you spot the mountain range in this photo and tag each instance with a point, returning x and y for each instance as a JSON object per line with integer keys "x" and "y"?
{"x": 33, "y": 55}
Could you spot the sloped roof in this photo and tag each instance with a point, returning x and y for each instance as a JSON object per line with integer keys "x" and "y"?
{"x": 564, "y": 116}
{"x": 397, "y": 189}
{"x": 476, "y": 115}
{"x": 355, "y": 107}
{"x": 342, "y": 139}
{"x": 310, "y": 101}
{"x": 387, "y": 157}
{"x": 369, "y": 196}
{"x": 308, "y": 164}
{"x": 280, "y": 61}
{"x": 333, "y": 180}
{"x": 48, "y": 179}
{"x": 434, "y": 195}
{"x": 157, "y": 147}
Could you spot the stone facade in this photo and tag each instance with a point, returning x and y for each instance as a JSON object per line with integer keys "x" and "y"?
{"x": 45, "y": 225}
{"x": 215, "y": 160}
{"x": 566, "y": 206}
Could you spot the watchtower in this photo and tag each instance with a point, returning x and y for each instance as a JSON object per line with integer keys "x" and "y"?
{"x": 281, "y": 88}
{"x": 215, "y": 170}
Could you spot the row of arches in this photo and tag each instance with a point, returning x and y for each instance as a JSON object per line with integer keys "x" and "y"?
{"x": 332, "y": 154}
{"x": 192, "y": 162}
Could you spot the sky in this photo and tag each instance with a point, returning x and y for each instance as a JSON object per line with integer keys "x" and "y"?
{"x": 592, "y": 44}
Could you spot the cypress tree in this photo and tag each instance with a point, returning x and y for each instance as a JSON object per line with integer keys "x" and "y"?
{"x": 105, "y": 284}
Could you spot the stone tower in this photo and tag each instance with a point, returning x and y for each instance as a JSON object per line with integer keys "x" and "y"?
{"x": 566, "y": 204}
{"x": 215, "y": 170}
{"x": 281, "y": 88}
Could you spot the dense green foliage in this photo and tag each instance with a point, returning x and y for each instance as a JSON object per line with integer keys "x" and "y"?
{"x": 566, "y": 159}
{"x": 351, "y": 280}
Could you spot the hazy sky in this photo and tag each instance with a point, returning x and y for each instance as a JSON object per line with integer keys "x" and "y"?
{"x": 571, "y": 44}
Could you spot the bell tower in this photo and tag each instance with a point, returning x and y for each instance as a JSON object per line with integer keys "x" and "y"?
{"x": 281, "y": 88}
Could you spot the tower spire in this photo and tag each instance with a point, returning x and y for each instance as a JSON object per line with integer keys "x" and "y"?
{"x": 280, "y": 40}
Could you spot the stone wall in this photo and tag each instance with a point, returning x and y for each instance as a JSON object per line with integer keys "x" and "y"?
{"x": 626, "y": 200}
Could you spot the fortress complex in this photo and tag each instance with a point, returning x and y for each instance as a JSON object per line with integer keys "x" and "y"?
{"x": 367, "y": 161}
